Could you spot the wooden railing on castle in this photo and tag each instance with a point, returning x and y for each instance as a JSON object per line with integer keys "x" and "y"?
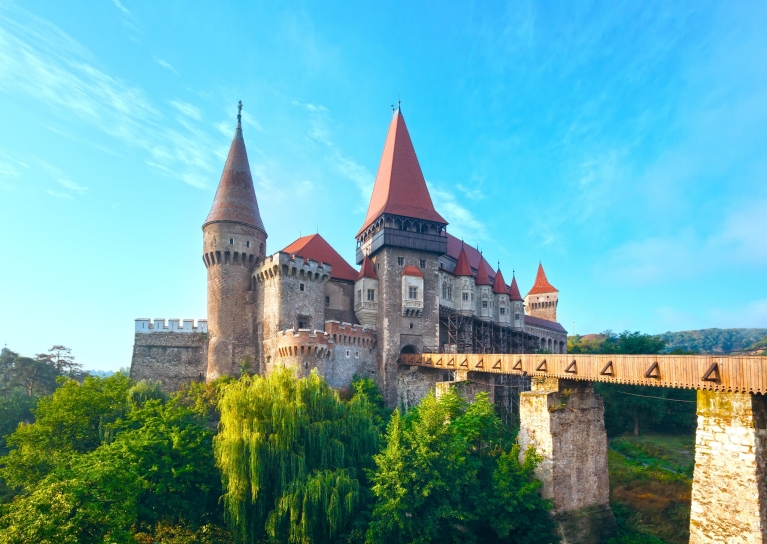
{"x": 737, "y": 374}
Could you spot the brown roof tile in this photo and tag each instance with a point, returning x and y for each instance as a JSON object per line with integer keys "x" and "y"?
{"x": 367, "y": 270}
{"x": 462, "y": 266}
{"x": 411, "y": 270}
{"x": 542, "y": 284}
{"x": 482, "y": 277}
{"x": 400, "y": 187}
{"x": 499, "y": 285}
{"x": 235, "y": 198}
{"x": 316, "y": 248}
{"x": 514, "y": 290}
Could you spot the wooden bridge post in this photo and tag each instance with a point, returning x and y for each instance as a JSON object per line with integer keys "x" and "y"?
{"x": 729, "y": 489}
{"x": 564, "y": 421}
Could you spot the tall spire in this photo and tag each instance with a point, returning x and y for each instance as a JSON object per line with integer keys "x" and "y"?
{"x": 235, "y": 199}
{"x": 400, "y": 188}
{"x": 542, "y": 284}
{"x": 462, "y": 266}
{"x": 514, "y": 290}
{"x": 499, "y": 284}
{"x": 482, "y": 277}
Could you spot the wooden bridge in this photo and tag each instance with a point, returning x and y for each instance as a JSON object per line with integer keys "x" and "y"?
{"x": 735, "y": 374}
{"x": 563, "y": 420}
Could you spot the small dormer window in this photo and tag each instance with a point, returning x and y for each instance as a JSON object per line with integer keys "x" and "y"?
{"x": 231, "y": 241}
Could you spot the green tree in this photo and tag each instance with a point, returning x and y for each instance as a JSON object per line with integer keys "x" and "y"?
{"x": 449, "y": 473}
{"x": 292, "y": 457}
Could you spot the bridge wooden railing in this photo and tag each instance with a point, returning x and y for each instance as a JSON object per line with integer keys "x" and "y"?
{"x": 737, "y": 374}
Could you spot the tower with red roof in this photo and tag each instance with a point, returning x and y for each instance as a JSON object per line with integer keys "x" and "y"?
{"x": 403, "y": 235}
{"x": 541, "y": 301}
{"x": 233, "y": 240}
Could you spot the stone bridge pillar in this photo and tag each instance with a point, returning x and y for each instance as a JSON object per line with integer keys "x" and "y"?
{"x": 729, "y": 488}
{"x": 564, "y": 421}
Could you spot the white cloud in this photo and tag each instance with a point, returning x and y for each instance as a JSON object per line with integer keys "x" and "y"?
{"x": 463, "y": 224}
{"x": 471, "y": 194}
{"x": 187, "y": 109}
{"x": 60, "y": 195}
{"x": 62, "y": 179}
{"x": 165, "y": 64}
{"x": 10, "y": 172}
{"x": 39, "y": 60}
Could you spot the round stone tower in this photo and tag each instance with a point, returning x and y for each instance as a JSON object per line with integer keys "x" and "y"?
{"x": 234, "y": 240}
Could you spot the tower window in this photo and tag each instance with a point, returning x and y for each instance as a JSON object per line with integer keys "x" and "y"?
{"x": 516, "y": 317}
{"x": 423, "y": 264}
{"x": 231, "y": 241}
{"x": 413, "y": 293}
{"x": 214, "y": 241}
{"x": 465, "y": 296}
{"x": 411, "y": 325}
{"x": 502, "y": 310}
{"x": 400, "y": 261}
{"x": 371, "y": 295}
{"x": 327, "y": 301}
{"x": 300, "y": 286}
{"x": 484, "y": 304}
{"x": 247, "y": 244}
{"x": 303, "y": 322}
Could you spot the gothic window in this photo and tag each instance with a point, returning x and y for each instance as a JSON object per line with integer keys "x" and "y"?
{"x": 371, "y": 295}
{"x": 465, "y": 297}
{"x": 484, "y": 304}
{"x": 412, "y": 293}
{"x": 231, "y": 241}
{"x": 400, "y": 261}
{"x": 502, "y": 310}
{"x": 516, "y": 317}
{"x": 450, "y": 291}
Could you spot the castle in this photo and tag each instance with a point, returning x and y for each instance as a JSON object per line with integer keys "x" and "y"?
{"x": 418, "y": 290}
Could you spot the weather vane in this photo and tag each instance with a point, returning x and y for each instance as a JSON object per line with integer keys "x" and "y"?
{"x": 239, "y": 111}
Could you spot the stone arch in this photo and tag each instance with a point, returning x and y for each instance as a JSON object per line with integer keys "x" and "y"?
{"x": 408, "y": 350}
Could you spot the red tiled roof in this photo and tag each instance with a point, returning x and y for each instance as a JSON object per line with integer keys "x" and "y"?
{"x": 462, "y": 266}
{"x": 315, "y": 247}
{"x": 499, "y": 285}
{"x": 411, "y": 270}
{"x": 514, "y": 290}
{"x": 400, "y": 187}
{"x": 367, "y": 270}
{"x": 454, "y": 246}
{"x": 541, "y": 284}
{"x": 482, "y": 278}
{"x": 544, "y": 324}
{"x": 235, "y": 198}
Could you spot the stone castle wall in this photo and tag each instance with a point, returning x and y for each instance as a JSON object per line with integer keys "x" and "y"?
{"x": 339, "y": 304}
{"x": 171, "y": 357}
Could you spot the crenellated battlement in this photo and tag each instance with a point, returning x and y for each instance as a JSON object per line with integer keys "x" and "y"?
{"x": 283, "y": 264}
{"x": 146, "y": 326}
{"x": 346, "y": 334}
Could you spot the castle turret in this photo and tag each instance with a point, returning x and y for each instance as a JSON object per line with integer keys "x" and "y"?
{"x": 542, "y": 299}
{"x": 234, "y": 240}
{"x": 402, "y": 234}
{"x": 486, "y": 300}
{"x": 501, "y": 294}
{"x": 517, "y": 305}
{"x": 366, "y": 298}
{"x": 465, "y": 279}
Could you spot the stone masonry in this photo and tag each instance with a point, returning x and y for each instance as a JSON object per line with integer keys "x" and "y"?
{"x": 564, "y": 421}
{"x": 729, "y": 490}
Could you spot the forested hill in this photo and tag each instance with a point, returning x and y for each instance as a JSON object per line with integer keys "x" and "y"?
{"x": 713, "y": 340}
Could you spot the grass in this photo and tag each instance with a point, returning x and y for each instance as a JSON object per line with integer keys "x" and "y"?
{"x": 650, "y": 484}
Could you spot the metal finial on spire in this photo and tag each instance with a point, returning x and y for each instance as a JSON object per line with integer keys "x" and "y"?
{"x": 239, "y": 111}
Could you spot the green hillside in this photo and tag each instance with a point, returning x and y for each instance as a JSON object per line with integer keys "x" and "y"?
{"x": 713, "y": 340}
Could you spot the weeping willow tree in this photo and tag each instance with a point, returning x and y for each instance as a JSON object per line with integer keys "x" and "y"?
{"x": 292, "y": 457}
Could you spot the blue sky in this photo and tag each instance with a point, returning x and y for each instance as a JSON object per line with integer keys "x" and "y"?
{"x": 621, "y": 143}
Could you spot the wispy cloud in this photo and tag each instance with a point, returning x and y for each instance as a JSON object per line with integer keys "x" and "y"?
{"x": 59, "y": 195}
{"x": 165, "y": 64}
{"x": 471, "y": 194}
{"x": 463, "y": 224}
{"x": 62, "y": 179}
{"x": 39, "y": 60}
{"x": 187, "y": 109}
{"x": 10, "y": 172}
{"x": 126, "y": 16}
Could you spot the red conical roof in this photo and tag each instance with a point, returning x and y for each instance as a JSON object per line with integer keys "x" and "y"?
{"x": 235, "y": 198}
{"x": 499, "y": 285}
{"x": 482, "y": 277}
{"x": 400, "y": 187}
{"x": 462, "y": 267}
{"x": 367, "y": 270}
{"x": 542, "y": 284}
{"x": 316, "y": 248}
{"x": 514, "y": 290}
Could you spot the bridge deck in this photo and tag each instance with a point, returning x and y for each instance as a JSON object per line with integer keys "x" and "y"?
{"x": 738, "y": 374}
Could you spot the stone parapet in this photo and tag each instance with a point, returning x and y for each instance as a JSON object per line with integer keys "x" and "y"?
{"x": 729, "y": 490}
{"x": 170, "y": 358}
{"x": 145, "y": 326}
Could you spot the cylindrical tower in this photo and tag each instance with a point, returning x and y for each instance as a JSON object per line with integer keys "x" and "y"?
{"x": 234, "y": 240}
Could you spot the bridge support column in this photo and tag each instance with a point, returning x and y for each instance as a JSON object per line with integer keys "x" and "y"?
{"x": 729, "y": 489}
{"x": 564, "y": 421}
